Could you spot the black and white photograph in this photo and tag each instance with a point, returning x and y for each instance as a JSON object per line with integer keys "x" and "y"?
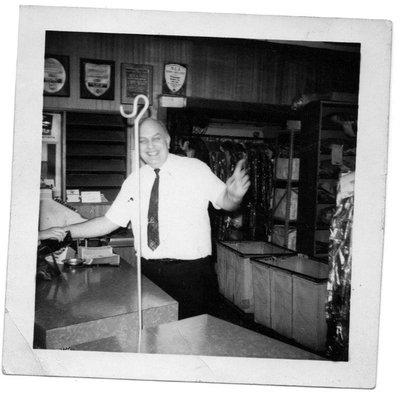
{"x": 215, "y": 224}
{"x": 250, "y": 232}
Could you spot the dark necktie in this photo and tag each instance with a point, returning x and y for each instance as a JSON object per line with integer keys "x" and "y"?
{"x": 153, "y": 238}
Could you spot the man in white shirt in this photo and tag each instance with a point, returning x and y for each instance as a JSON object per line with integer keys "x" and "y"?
{"x": 175, "y": 227}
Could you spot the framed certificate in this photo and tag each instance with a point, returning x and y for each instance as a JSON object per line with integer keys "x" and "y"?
{"x": 56, "y": 75}
{"x": 97, "y": 79}
{"x": 136, "y": 79}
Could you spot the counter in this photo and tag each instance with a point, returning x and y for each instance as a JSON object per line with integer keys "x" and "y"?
{"x": 89, "y": 304}
{"x": 202, "y": 335}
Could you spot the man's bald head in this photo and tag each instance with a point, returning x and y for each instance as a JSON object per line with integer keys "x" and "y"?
{"x": 154, "y": 142}
{"x": 151, "y": 123}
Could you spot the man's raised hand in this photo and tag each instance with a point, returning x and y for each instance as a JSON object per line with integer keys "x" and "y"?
{"x": 238, "y": 184}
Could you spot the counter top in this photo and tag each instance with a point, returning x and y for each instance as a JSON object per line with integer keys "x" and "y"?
{"x": 201, "y": 335}
{"x": 86, "y": 298}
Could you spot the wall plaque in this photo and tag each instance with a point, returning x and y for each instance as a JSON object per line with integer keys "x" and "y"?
{"x": 56, "y": 75}
{"x": 136, "y": 79}
{"x": 174, "y": 79}
{"x": 97, "y": 79}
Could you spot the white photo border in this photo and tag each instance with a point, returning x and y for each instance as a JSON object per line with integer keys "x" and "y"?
{"x": 360, "y": 371}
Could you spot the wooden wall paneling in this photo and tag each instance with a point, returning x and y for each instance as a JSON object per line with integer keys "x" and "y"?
{"x": 246, "y": 75}
{"x": 293, "y": 82}
{"x": 198, "y": 73}
{"x": 218, "y": 69}
{"x": 156, "y": 50}
{"x": 270, "y": 71}
{"x": 288, "y": 76}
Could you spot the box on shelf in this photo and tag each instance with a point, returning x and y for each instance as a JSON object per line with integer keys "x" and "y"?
{"x": 234, "y": 270}
{"x": 282, "y": 168}
{"x": 278, "y": 236}
{"x": 280, "y": 203}
{"x": 289, "y": 297}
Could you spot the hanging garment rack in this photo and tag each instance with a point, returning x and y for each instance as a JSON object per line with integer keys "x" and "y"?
{"x": 227, "y": 137}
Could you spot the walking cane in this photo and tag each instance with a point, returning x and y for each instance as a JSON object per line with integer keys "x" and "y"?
{"x": 135, "y": 156}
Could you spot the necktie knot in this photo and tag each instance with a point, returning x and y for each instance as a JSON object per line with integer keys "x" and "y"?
{"x": 157, "y": 171}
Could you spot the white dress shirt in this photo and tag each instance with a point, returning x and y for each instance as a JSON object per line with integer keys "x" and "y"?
{"x": 186, "y": 187}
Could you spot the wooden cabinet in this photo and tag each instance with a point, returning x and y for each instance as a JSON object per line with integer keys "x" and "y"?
{"x": 95, "y": 152}
{"x": 325, "y": 151}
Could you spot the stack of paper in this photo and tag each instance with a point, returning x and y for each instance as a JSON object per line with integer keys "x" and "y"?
{"x": 98, "y": 255}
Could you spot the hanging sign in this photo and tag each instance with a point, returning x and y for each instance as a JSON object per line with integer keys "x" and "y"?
{"x": 174, "y": 80}
{"x": 97, "y": 79}
{"x": 56, "y": 79}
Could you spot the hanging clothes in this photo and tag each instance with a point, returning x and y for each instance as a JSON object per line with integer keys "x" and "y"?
{"x": 250, "y": 221}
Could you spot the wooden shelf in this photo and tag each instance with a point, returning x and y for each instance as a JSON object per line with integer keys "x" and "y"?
{"x": 96, "y": 156}
{"x": 100, "y": 141}
{"x": 96, "y": 152}
{"x": 282, "y": 220}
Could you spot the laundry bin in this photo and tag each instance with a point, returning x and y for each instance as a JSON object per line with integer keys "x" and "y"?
{"x": 289, "y": 297}
{"x": 234, "y": 269}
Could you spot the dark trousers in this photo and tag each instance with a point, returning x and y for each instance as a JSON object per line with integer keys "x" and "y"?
{"x": 192, "y": 283}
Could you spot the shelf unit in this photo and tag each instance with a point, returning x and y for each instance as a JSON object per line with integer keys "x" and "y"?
{"x": 318, "y": 176}
{"x": 95, "y": 152}
{"x": 284, "y": 188}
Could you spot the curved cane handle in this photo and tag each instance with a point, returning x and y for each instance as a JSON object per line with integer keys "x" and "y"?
{"x": 135, "y": 107}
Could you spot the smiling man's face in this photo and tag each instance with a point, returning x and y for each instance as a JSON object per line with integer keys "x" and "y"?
{"x": 154, "y": 143}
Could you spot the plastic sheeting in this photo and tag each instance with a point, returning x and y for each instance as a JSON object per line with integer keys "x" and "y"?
{"x": 339, "y": 284}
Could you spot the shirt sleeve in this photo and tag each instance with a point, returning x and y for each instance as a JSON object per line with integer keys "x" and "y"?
{"x": 213, "y": 186}
{"x": 120, "y": 210}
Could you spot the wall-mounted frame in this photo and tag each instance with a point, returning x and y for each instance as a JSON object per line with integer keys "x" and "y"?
{"x": 56, "y": 75}
{"x": 136, "y": 79}
{"x": 97, "y": 79}
{"x": 174, "y": 79}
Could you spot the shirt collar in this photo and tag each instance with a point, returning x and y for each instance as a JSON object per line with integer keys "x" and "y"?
{"x": 167, "y": 167}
